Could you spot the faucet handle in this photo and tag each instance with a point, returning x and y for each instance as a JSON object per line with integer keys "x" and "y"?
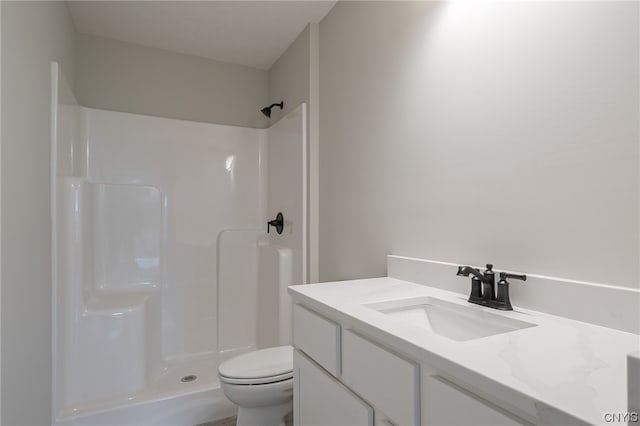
{"x": 502, "y": 301}
{"x": 505, "y": 275}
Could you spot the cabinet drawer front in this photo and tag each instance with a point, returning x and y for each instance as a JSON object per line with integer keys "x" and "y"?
{"x": 386, "y": 380}
{"x": 448, "y": 405}
{"x": 320, "y": 400}
{"x": 317, "y": 337}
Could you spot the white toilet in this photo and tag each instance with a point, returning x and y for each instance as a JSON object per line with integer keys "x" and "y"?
{"x": 260, "y": 383}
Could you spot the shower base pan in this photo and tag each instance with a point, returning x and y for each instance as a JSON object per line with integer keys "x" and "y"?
{"x": 175, "y": 399}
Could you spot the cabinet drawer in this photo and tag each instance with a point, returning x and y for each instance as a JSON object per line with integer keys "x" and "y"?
{"x": 317, "y": 337}
{"x": 320, "y": 400}
{"x": 386, "y": 380}
{"x": 447, "y": 404}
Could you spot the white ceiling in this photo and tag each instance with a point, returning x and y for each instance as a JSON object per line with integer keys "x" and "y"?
{"x": 251, "y": 33}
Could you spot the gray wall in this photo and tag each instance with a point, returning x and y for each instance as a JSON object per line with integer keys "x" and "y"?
{"x": 33, "y": 34}
{"x": 293, "y": 78}
{"x": 477, "y": 132}
{"x": 125, "y": 77}
{"x": 289, "y": 77}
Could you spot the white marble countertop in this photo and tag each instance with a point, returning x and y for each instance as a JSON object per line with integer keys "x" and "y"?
{"x": 559, "y": 372}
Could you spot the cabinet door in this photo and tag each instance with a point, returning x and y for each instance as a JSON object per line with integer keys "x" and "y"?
{"x": 446, "y": 404}
{"x": 388, "y": 382}
{"x": 318, "y": 338}
{"x": 319, "y": 400}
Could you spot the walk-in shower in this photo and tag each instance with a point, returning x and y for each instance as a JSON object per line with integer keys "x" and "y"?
{"x": 161, "y": 261}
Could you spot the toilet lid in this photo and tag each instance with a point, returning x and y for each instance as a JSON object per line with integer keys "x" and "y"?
{"x": 265, "y": 365}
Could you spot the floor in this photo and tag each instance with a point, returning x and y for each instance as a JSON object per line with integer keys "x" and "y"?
{"x": 231, "y": 421}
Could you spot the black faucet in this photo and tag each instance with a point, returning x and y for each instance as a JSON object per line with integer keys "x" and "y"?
{"x": 483, "y": 287}
{"x": 482, "y": 284}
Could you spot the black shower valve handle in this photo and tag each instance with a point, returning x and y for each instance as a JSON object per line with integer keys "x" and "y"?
{"x": 277, "y": 223}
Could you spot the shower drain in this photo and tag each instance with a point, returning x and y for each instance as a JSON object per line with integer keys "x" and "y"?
{"x": 189, "y": 378}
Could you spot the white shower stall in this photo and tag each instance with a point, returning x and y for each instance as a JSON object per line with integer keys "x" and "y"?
{"x": 162, "y": 264}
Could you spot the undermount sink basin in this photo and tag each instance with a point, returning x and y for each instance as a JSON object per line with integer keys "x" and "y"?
{"x": 450, "y": 320}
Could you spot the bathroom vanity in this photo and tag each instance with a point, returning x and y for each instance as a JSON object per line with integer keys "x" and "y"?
{"x": 390, "y": 352}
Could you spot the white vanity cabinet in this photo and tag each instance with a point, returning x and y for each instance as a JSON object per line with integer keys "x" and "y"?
{"x": 389, "y": 382}
{"x": 318, "y": 337}
{"x": 320, "y": 400}
{"x": 448, "y": 404}
{"x": 344, "y": 378}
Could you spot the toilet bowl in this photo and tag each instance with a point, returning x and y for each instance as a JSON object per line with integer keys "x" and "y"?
{"x": 260, "y": 383}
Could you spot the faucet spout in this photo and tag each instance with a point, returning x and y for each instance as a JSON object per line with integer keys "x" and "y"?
{"x": 464, "y": 271}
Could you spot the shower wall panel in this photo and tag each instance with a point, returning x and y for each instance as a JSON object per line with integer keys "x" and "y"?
{"x": 208, "y": 178}
{"x": 238, "y": 281}
{"x": 287, "y": 185}
{"x": 127, "y": 237}
{"x": 287, "y": 193}
{"x": 103, "y": 332}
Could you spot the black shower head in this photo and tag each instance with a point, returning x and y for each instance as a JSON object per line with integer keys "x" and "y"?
{"x": 267, "y": 110}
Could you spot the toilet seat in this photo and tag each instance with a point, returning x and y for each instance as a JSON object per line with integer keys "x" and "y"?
{"x": 258, "y": 367}
{"x": 256, "y": 380}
